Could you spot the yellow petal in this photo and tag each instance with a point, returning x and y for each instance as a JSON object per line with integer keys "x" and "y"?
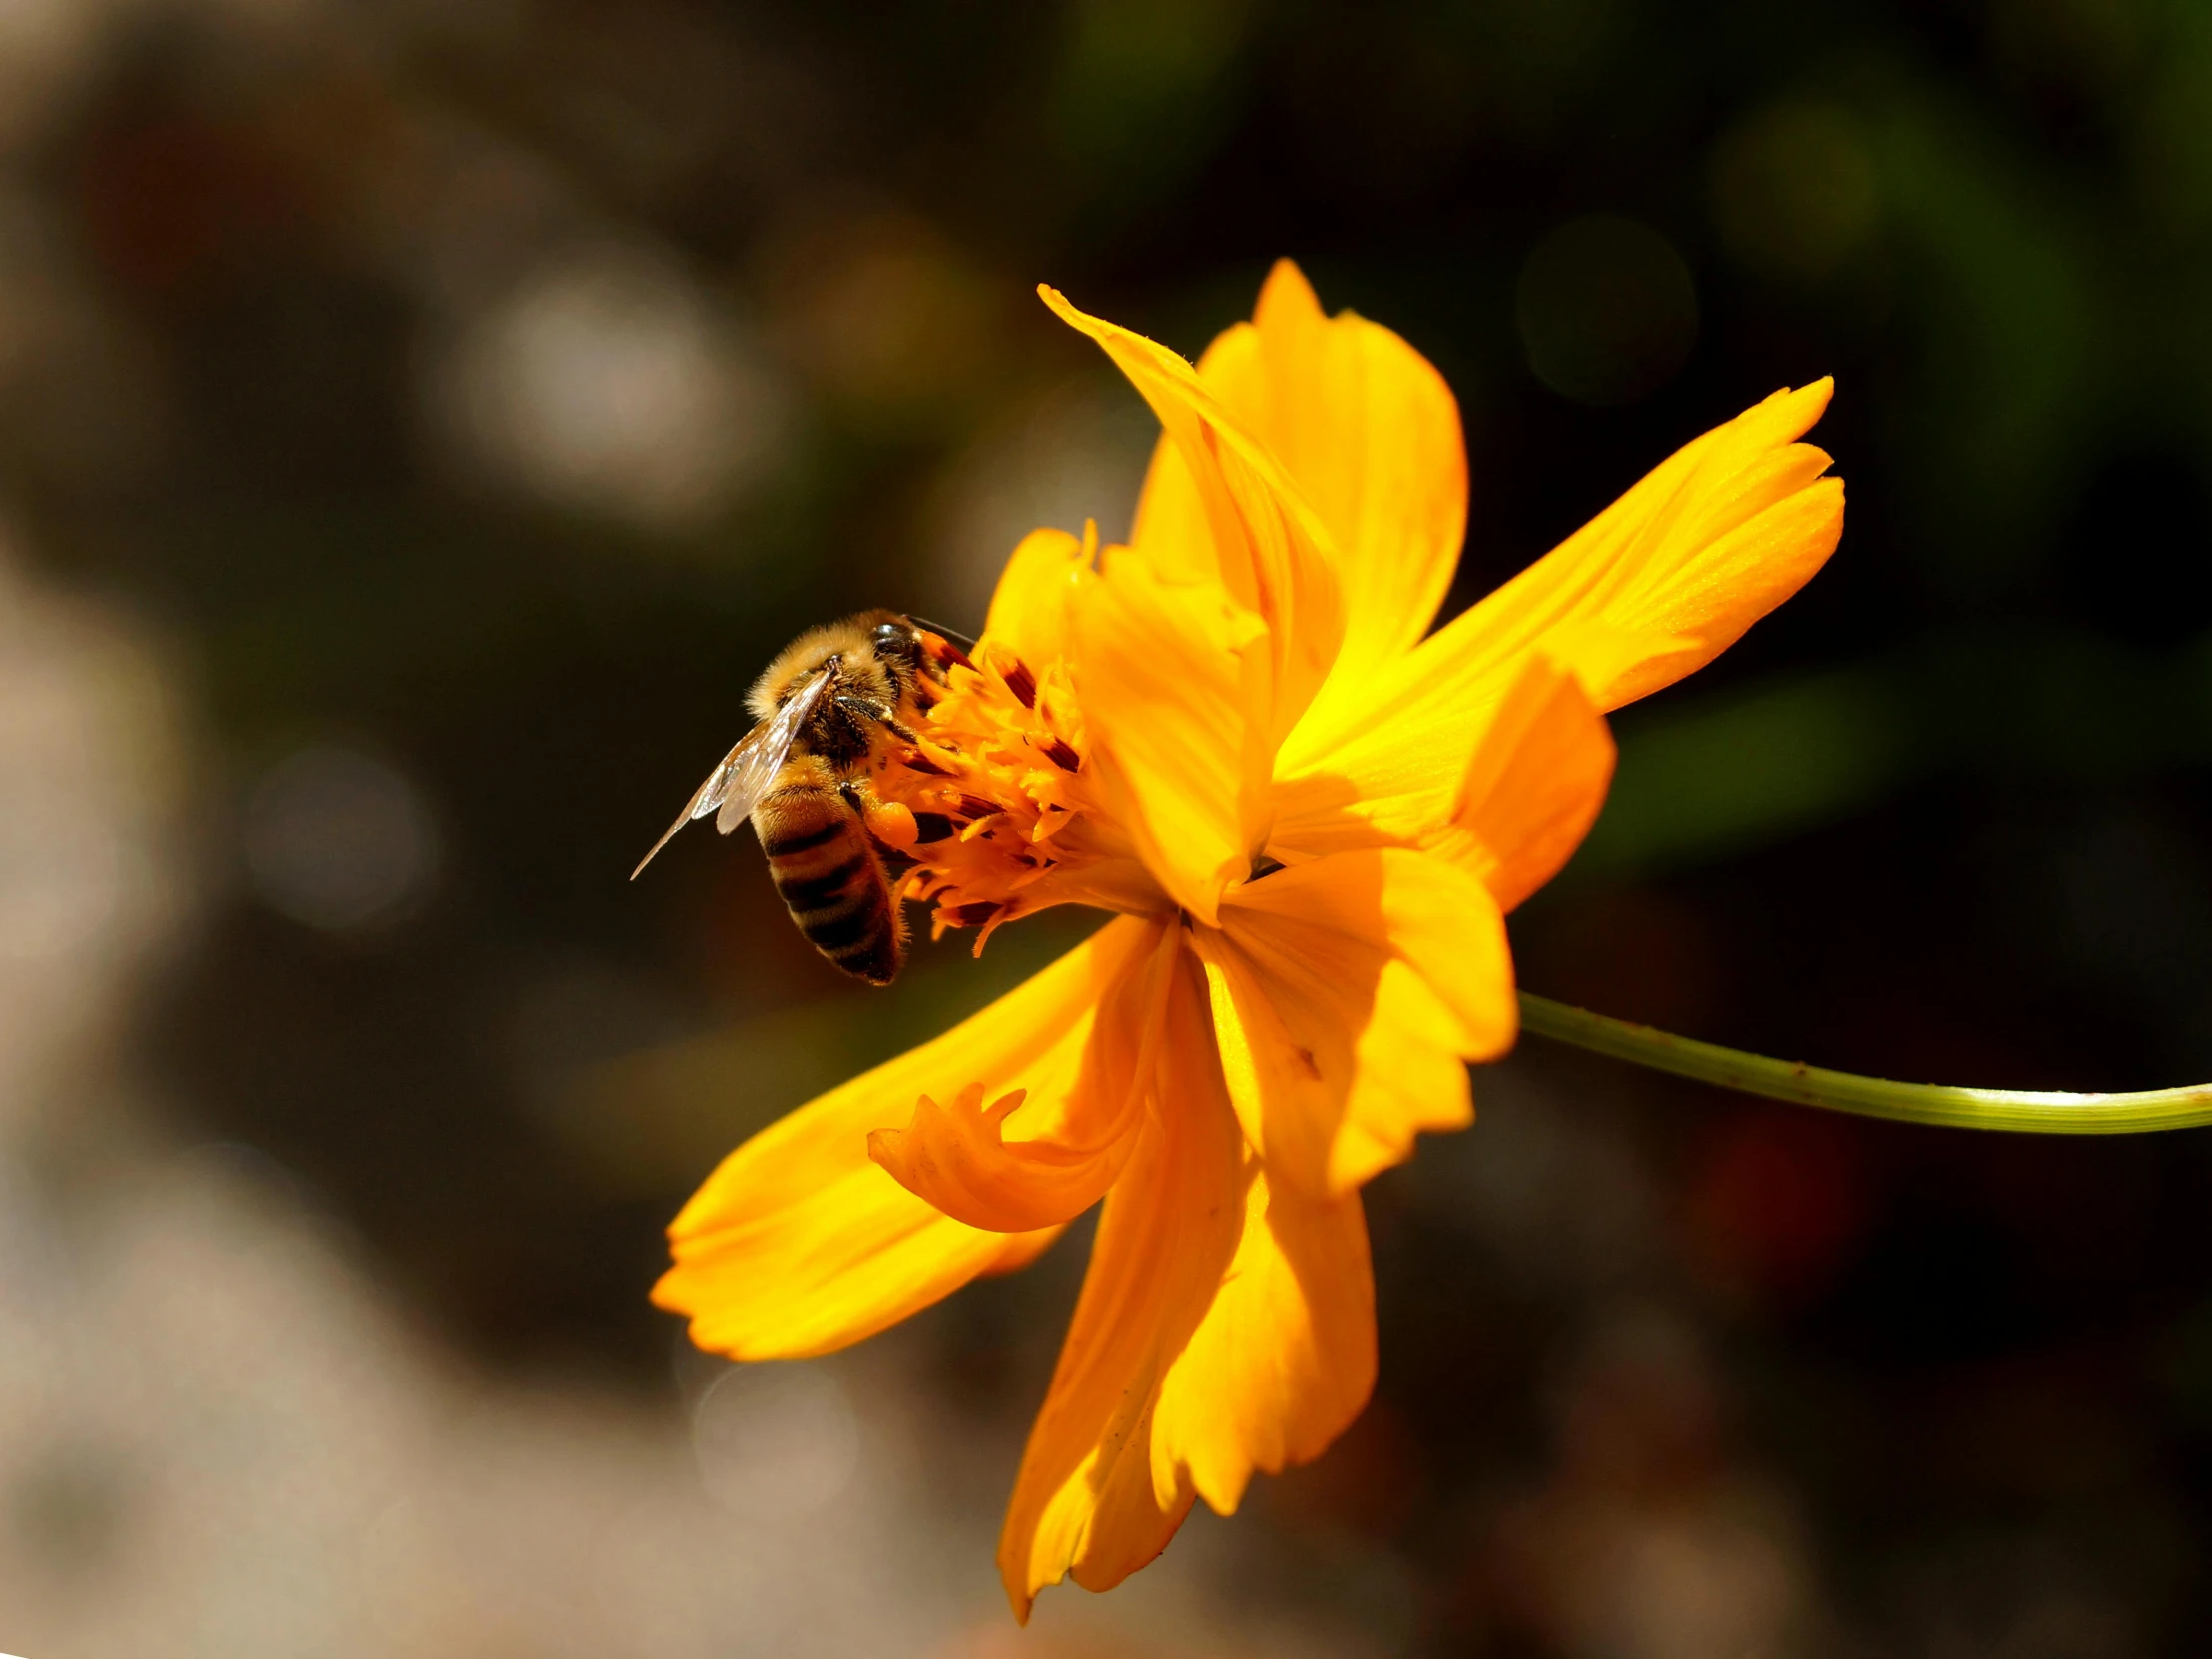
{"x": 1285, "y": 1357}
{"x": 1088, "y": 1498}
{"x": 1369, "y": 433}
{"x": 1530, "y": 787}
{"x": 956, "y": 1157}
{"x": 1656, "y": 586}
{"x": 1534, "y": 788}
{"x": 797, "y": 1244}
{"x": 1254, "y": 534}
{"x": 1702, "y": 547}
{"x": 1171, "y": 528}
{"x": 1348, "y": 995}
{"x": 1226, "y": 1326}
{"x": 1032, "y": 605}
{"x": 1173, "y": 683}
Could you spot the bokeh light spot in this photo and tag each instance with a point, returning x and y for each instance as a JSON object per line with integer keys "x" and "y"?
{"x": 1077, "y": 453}
{"x": 607, "y": 383}
{"x": 1606, "y": 308}
{"x": 338, "y": 841}
{"x": 889, "y": 320}
{"x": 1794, "y": 190}
{"x": 61, "y": 870}
{"x": 775, "y": 1440}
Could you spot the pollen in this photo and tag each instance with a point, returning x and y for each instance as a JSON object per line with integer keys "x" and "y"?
{"x": 1009, "y": 822}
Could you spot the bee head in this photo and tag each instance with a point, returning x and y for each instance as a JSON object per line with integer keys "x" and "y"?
{"x": 896, "y": 641}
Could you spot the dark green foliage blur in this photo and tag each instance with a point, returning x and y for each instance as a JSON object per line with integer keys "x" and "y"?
{"x": 487, "y": 390}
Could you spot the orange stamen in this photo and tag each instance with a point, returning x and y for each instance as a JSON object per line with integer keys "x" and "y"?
{"x": 997, "y": 760}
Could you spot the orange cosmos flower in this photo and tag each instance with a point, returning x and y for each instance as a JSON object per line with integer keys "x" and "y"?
{"x": 1310, "y": 822}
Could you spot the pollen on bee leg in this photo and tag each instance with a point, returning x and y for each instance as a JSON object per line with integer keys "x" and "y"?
{"x": 892, "y": 823}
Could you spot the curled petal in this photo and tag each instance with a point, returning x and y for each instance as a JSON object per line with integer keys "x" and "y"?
{"x": 955, "y": 1157}
{"x": 797, "y": 1244}
{"x": 958, "y": 1158}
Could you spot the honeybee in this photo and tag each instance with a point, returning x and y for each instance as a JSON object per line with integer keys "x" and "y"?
{"x": 825, "y": 706}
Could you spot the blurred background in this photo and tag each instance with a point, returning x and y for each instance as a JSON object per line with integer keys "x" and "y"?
{"x": 419, "y": 420}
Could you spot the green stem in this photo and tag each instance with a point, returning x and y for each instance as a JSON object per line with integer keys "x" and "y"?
{"x": 2027, "y": 1111}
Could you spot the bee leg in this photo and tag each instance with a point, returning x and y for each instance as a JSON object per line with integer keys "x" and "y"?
{"x": 882, "y": 714}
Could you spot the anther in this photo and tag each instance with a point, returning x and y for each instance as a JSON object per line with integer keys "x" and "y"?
{"x": 1021, "y": 683}
{"x": 947, "y": 650}
{"x": 1062, "y": 755}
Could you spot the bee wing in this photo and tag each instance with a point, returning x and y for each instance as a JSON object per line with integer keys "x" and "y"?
{"x": 748, "y": 771}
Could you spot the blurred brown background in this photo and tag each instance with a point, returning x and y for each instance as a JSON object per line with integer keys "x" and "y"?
{"x": 417, "y": 423}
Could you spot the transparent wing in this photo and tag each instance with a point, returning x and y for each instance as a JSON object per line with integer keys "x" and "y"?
{"x": 735, "y": 786}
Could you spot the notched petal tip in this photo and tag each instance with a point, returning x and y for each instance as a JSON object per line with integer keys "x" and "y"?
{"x": 1657, "y": 585}
{"x": 1812, "y": 399}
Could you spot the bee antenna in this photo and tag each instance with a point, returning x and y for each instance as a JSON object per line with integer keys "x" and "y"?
{"x": 939, "y": 629}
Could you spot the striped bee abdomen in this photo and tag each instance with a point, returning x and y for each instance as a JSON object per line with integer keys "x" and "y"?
{"x": 828, "y": 875}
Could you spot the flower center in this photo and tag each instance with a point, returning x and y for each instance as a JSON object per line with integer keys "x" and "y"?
{"x": 1006, "y": 819}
